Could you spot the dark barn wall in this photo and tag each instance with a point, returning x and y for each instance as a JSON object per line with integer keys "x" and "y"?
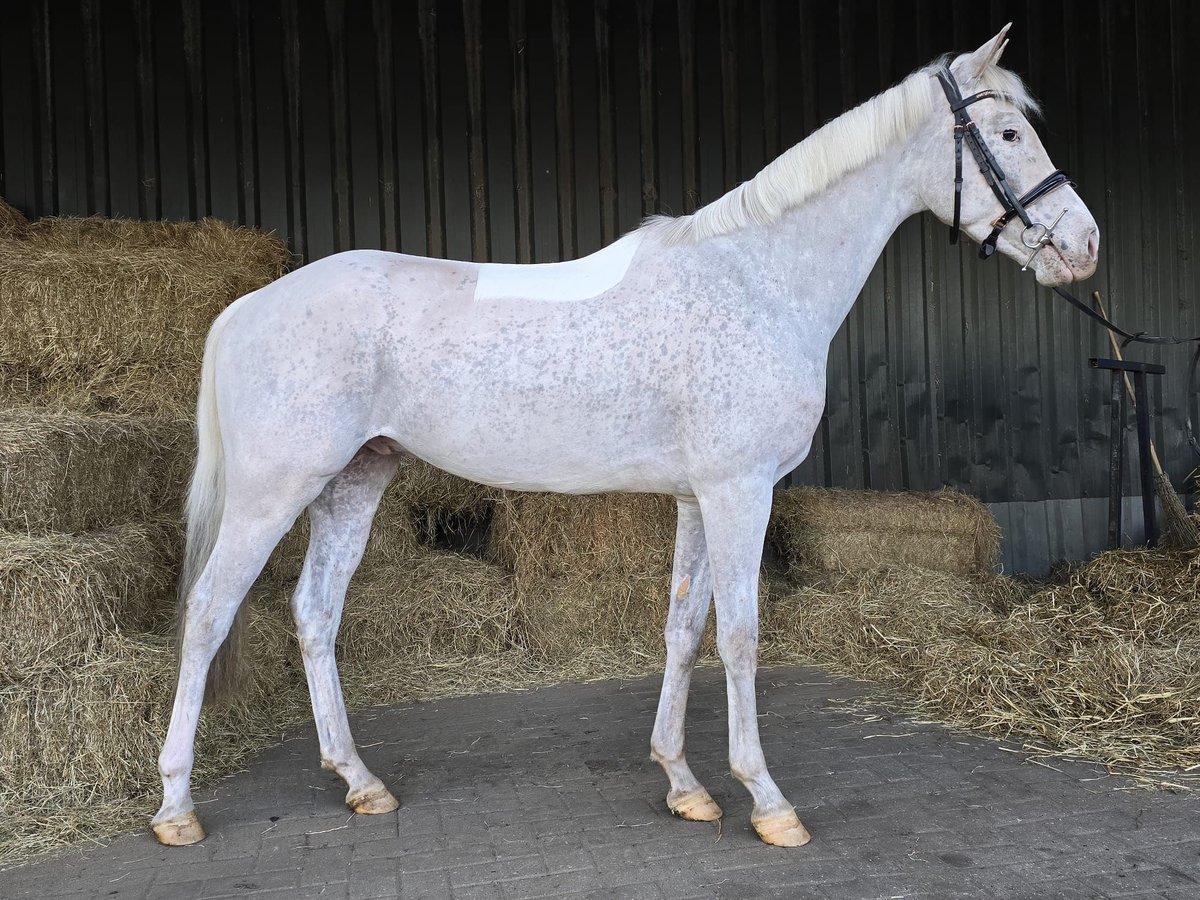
{"x": 537, "y": 130}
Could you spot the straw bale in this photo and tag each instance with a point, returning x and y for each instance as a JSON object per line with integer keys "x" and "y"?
{"x": 118, "y": 310}
{"x": 590, "y": 571}
{"x": 431, "y": 491}
{"x": 436, "y": 604}
{"x": 212, "y": 237}
{"x": 90, "y": 727}
{"x": 592, "y": 576}
{"x": 133, "y": 388}
{"x": 1104, "y": 666}
{"x": 12, "y": 221}
{"x": 818, "y": 530}
{"x": 615, "y": 535}
{"x": 60, "y": 594}
{"x": 69, "y": 472}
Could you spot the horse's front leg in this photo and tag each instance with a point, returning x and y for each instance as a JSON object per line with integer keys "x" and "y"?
{"x": 735, "y": 520}
{"x": 691, "y": 593}
{"x": 341, "y": 522}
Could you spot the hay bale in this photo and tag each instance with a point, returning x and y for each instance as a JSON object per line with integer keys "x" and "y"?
{"x": 247, "y": 248}
{"x": 134, "y": 388}
{"x": 588, "y": 572}
{"x": 548, "y": 535}
{"x": 432, "y": 604}
{"x": 439, "y": 500}
{"x": 73, "y": 473}
{"x": 592, "y": 576}
{"x": 1153, "y": 594}
{"x": 1104, "y": 666}
{"x": 60, "y": 594}
{"x": 12, "y": 221}
{"x": 89, "y": 727}
{"x": 816, "y": 531}
{"x": 112, "y": 314}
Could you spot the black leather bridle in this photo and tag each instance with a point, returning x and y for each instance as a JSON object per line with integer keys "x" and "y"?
{"x": 1036, "y": 235}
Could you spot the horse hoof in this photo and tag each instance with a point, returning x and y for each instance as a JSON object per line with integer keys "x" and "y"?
{"x": 782, "y": 830}
{"x": 374, "y": 802}
{"x": 179, "y": 831}
{"x": 695, "y": 806}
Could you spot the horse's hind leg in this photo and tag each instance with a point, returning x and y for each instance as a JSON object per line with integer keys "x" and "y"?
{"x": 691, "y": 594}
{"x": 341, "y": 520}
{"x": 247, "y": 536}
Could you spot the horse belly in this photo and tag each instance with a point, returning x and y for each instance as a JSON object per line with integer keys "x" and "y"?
{"x": 564, "y": 425}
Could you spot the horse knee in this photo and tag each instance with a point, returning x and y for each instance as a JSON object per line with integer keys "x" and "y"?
{"x": 316, "y": 640}
{"x": 684, "y": 640}
{"x": 202, "y": 633}
{"x": 738, "y": 647}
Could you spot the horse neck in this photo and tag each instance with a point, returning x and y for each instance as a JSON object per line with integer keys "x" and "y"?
{"x": 822, "y": 252}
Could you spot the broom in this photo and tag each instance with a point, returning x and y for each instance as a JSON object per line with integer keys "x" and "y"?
{"x": 1179, "y": 531}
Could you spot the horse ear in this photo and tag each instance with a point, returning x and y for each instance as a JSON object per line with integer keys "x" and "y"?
{"x": 989, "y": 54}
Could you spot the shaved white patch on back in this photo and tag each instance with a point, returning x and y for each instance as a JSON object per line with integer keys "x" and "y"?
{"x": 576, "y": 279}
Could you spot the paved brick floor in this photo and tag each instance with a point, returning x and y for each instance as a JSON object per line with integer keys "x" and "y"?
{"x": 550, "y": 794}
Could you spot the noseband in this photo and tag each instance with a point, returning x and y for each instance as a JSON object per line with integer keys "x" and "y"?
{"x": 1036, "y": 235}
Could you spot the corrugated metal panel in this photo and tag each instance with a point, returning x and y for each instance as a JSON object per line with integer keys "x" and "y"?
{"x": 531, "y": 130}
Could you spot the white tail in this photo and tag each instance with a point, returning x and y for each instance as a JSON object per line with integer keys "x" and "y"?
{"x": 203, "y": 510}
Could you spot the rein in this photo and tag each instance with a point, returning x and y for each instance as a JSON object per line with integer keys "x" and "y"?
{"x": 1042, "y": 236}
{"x": 1141, "y": 337}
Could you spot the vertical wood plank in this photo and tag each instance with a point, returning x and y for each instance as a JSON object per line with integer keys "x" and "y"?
{"x": 47, "y": 186}
{"x": 149, "y": 205}
{"x": 605, "y": 138}
{"x": 382, "y": 20}
{"x": 408, "y": 112}
{"x": 435, "y": 201}
{"x": 476, "y": 137}
{"x": 768, "y": 31}
{"x": 564, "y": 128}
{"x": 18, "y": 118}
{"x": 297, "y": 206}
{"x": 99, "y": 199}
{"x": 647, "y": 107}
{"x": 248, "y": 204}
{"x": 522, "y": 156}
{"x": 689, "y": 106}
{"x": 340, "y": 130}
{"x": 195, "y": 105}
{"x": 731, "y": 145}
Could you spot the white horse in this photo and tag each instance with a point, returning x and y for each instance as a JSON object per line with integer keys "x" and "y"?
{"x": 640, "y": 368}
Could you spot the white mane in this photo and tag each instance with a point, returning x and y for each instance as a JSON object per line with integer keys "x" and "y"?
{"x": 837, "y": 148}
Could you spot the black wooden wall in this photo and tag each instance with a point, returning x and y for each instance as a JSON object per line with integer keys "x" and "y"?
{"x": 532, "y": 130}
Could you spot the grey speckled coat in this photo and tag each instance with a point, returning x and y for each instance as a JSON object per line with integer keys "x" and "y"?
{"x": 656, "y": 384}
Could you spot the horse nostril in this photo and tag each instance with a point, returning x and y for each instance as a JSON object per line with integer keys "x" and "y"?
{"x": 1094, "y": 245}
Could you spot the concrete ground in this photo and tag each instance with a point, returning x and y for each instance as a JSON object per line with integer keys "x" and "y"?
{"x": 551, "y": 793}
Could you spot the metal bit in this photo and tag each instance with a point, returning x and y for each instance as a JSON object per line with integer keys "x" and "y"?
{"x": 1046, "y": 236}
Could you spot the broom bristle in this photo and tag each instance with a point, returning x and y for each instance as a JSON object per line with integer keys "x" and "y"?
{"x": 1179, "y": 530}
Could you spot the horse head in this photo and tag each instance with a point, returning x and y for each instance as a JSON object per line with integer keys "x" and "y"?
{"x": 981, "y": 168}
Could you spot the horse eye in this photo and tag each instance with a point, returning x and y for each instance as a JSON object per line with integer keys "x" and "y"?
{"x": 1009, "y": 134}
